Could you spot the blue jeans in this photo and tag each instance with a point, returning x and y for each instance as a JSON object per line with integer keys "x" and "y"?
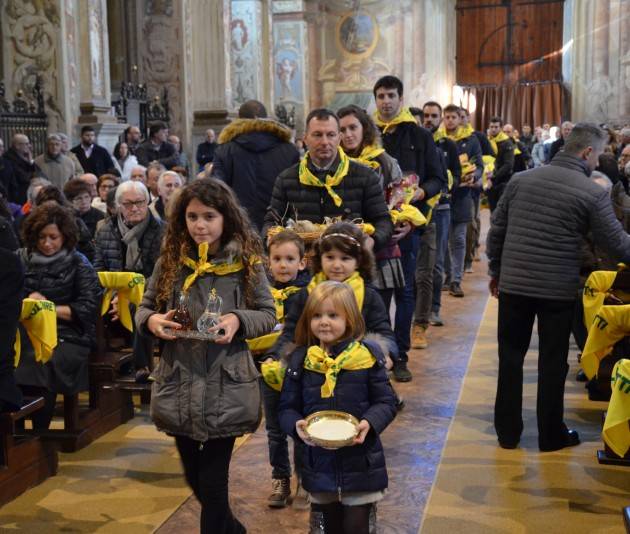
{"x": 442, "y": 220}
{"x": 457, "y": 250}
{"x": 406, "y": 296}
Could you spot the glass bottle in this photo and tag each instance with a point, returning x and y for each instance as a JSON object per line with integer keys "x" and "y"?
{"x": 182, "y": 313}
{"x": 210, "y": 316}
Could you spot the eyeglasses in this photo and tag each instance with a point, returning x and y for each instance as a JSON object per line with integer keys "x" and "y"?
{"x": 129, "y": 204}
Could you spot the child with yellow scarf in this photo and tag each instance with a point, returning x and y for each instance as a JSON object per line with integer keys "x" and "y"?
{"x": 335, "y": 368}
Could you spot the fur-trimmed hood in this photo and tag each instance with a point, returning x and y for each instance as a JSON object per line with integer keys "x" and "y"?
{"x": 255, "y": 135}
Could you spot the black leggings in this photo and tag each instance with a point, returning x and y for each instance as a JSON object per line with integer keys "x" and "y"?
{"x": 206, "y": 467}
{"x": 341, "y": 519}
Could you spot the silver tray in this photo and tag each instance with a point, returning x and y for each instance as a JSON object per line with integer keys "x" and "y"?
{"x": 191, "y": 334}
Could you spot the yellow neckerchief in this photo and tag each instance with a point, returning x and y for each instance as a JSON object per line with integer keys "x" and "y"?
{"x": 488, "y": 168}
{"x": 407, "y": 213}
{"x": 616, "y": 432}
{"x": 368, "y": 155}
{"x": 610, "y": 324}
{"x": 596, "y": 288}
{"x": 404, "y": 115}
{"x": 355, "y": 281}
{"x": 279, "y": 297}
{"x": 462, "y": 132}
{"x": 308, "y": 178}
{"x": 273, "y": 374}
{"x": 203, "y": 266}
{"x": 128, "y": 286}
{"x": 39, "y": 319}
{"x": 354, "y": 357}
{"x": 499, "y": 138}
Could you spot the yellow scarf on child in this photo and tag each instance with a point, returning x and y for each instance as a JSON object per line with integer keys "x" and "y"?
{"x": 353, "y": 358}
{"x": 203, "y": 266}
{"x": 279, "y": 298}
{"x": 308, "y": 178}
{"x": 368, "y": 155}
{"x": 499, "y": 138}
{"x": 616, "y": 432}
{"x": 404, "y": 115}
{"x": 273, "y": 374}
{"x": 128, "y": 286}
{"x": 355, "y": 281}
{"x": 39, "y": 319}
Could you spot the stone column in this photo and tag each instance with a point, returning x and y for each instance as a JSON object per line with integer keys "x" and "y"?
{"x": 210, "y": 73}
{"x": 95, "y": 93}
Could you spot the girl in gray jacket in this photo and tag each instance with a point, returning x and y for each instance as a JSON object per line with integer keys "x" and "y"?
{"x": 206, "y": 393}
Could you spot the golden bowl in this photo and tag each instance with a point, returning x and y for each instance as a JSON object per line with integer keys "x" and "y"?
{"x": 322, "y": 434}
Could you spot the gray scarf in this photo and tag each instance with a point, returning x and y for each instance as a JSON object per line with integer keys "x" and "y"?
{"x": 131, "y": 238}
{"x": 37, "y": 258}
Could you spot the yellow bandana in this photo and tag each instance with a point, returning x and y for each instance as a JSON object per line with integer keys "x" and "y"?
{"x": 129, "y": 288}
{"x": 273, "y": 374}
{"x": 39, "y": 319}
{"x": 404, "y": 115}
{"x": 616, "y": 431}
{"x": 368, "y": 155}
{"x": 308, "y": 178}
{"x": 279, "y": 297}
{"x": 355, "y": 281}
{"x": 203, "y": 266}
{"x": 462, "y": 132}
{"x": 499, "y": 138}
{"x": 596, "y": 288}
{"x": 408, "y": 213}
{"x": 353, "y": 358}
{"x": 610, "y": 324}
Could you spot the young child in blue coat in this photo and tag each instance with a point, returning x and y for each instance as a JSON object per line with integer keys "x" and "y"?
{"x": 334, "y": 368}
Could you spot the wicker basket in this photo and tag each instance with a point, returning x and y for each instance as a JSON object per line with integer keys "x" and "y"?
{"x": 307, "y": 237}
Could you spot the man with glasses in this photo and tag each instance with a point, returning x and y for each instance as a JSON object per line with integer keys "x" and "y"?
{"x": 131, "y": 242}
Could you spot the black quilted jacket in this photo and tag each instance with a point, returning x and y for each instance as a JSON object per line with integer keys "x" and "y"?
{"x": 111, "y": 251}
{"x": 360, "y": 191}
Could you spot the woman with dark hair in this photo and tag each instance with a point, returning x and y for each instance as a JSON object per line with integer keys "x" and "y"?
{"x": 104, "y": 184}
{"x": 125, "y": 160}
{"x": 85, "y": 243}
{"x": 360, "y": 140}
{"x": 55, "y": 271}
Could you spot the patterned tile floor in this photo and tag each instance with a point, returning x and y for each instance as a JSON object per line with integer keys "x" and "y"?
{"x": 413, "y": 442}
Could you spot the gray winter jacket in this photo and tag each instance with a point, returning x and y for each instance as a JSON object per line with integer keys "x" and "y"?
{"x": 203, "y": 390}
{"x": 538, "y": 226}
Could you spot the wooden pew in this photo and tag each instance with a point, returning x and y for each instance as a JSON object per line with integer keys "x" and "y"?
{"x": 108, "y": 406}
{"x": 25, "y": 460}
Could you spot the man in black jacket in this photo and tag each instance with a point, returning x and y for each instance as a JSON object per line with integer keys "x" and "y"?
{"x": 414, "y": 149}
{"x": 252, "y": 152}
{"x": 94, "y": 158}
{"x": 534, "y": 252}
{"x": 19, "y": 158}
{"x": 326, "y": 183}
{"x": 157, "y": 148}
{"x": 556, "y": 146}
{"x": 206, "y": 150}
{"x": 503, "y": 149}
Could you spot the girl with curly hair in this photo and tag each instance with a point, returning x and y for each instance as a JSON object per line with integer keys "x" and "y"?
{"x": 206, "y": 393}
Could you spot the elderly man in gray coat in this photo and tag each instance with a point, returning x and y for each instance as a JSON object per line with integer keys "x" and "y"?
{"x": 533, "y": 249}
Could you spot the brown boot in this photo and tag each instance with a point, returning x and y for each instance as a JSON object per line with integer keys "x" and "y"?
{"x": 280, "y": 493}
{"x": 419, "y": 337}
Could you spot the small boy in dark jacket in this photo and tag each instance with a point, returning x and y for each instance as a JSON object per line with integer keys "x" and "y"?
{"x": 287, "y": 265}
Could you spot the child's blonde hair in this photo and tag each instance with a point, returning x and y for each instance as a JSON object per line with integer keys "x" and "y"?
{"x": 344, "y": 302}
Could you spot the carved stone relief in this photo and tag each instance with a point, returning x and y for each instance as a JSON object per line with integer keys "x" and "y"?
{"x": 30, "y": 30}
{"x": 96, "y": 48}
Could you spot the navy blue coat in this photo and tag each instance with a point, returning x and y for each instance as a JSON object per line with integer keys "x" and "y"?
{"x": 366, "y": 394}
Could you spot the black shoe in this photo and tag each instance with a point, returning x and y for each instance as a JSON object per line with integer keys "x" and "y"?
{"x": 581, "y": 376}
{"x": 401, "y": 373}
{"x": 400, "y": 402}
{"x": 508, "y": 444}
{"x": 456, "y": 290}
{"x": 571, "y": 439}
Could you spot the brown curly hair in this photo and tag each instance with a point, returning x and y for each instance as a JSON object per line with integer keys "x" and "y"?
{"x": 236, "y": 227}
{"x": 50, "y": 212}
{"x": 353, "y": 246}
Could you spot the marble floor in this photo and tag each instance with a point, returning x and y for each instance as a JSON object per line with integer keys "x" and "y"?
{"x": 413, "y": 442}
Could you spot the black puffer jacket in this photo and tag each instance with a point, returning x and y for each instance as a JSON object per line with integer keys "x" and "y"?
{"x": 366, "y": 394}
{"x": 23, "y": 171}
{"x": 111, "y": 251}
{"x": 538, "y": 227}
{"x": 70, "y": 281}
{"x": 360, "y": 191}
{"x": 251, "y": 154}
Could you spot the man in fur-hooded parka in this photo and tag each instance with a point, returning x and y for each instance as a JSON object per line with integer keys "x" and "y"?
{"x": 252, "y": 152}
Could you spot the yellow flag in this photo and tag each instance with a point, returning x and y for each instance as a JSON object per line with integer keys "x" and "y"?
{"x": 616, "y": 431}
{"x": 128, "y": 286}
{"x": 39, "y": 319}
